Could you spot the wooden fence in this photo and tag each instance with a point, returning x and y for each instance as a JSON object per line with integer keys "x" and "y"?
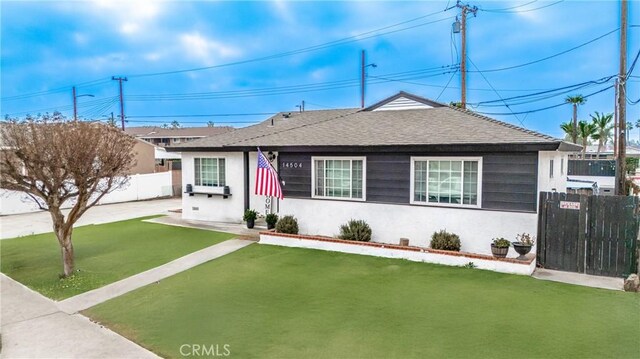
{"x": 588, "y": 234}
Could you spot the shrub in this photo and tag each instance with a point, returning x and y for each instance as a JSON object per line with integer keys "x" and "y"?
{"x": 501, "y": 243}
{"x": 250, "y": 215}
{"x": 525, "y": 239}
{"x": 445, "y": 241}
{"x": 355, "y": 230}
{"x": 271, "y": 219}
{"x": 287, "y": 224}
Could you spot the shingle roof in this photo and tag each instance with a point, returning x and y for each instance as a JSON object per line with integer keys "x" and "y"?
{"x": 354, "y": 127}
{"x": 157, "y": 132}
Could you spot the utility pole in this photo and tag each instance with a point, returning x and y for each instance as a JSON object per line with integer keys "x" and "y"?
{"x": 363, "y": 76}
{"x": 362, "y": 80}
{"x": 120, "y": 79}
{"x": 615, "y": 121}
{"x": 464, "y": 10}
{"x": 622, "y": 108}
{"x": 75, "y": 104}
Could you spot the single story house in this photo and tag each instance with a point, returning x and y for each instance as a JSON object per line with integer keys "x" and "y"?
{"x": 406, "y": 165}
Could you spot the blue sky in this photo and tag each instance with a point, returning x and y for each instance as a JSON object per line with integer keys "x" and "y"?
{"x": 49, "y": 46}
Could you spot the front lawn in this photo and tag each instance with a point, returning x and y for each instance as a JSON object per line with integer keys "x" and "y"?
{"x": 104, "y": 253}
{"x": 277, "y": 302}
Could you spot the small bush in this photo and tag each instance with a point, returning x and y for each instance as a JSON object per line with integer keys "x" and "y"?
{"x": 287, "y": 224}
{"x": 525, "y": 239}
{"x": 271, "y": 219}
{"x": 501, "y": 243}
{"x": 445, "y": 241}
{"x": 355, "y": 230}
{"x": 250, "y": 215}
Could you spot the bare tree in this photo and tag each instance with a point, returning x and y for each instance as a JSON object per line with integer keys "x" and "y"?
{"x": 58, "y": 162}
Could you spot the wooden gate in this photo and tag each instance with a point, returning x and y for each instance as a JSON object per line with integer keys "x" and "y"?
{"x": 588, "y": 234}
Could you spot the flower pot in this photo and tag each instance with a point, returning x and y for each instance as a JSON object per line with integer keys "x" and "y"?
{"x": 251, "y": 223}
{"x": 499, "y": 252}
{"x": 271, "y": 225}
{"x": 522, "y": 249}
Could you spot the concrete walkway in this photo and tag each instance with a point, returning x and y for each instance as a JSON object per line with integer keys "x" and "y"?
{"x": 33, "y": 327}
{"x": 579, "y": 279}
{"x": 175, "y": 219}
{"x": 40, "y": 222}
{"x": 97, "y": 296}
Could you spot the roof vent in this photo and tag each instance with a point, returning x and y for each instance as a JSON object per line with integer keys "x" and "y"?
{"x": 286, "y": 115}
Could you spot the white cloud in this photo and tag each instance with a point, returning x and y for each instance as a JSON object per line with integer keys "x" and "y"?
{"x": 129, "y": 28}
{"x": 283, "y": 11}
{"x": 201, "y": 48}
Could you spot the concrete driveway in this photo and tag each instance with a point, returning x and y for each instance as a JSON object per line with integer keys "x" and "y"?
{"x": 33, "y": 327}
{"x": 40, "y": 222}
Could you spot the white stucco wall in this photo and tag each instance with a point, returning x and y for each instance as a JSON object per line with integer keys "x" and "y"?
{"x": 493, "y": 265}
{"x": 216, "y": 208}
{"x": 389, "y": 222}
{"x": 139, "y": 187}
{"x": 559, "y": 180}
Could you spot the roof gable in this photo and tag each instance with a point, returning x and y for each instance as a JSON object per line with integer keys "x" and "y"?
{"x": 403, "y": 101}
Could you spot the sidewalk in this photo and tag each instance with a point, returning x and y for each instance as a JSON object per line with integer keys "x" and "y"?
{"x": 40, "y": 222}
{"x": 99, "y": 295}
{"x": 33, "y": 327}
{"x": 175, "y": 219}
{"x": 579, "y": 279}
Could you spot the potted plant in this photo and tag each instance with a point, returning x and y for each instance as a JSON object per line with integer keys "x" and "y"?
{"x": 523, "y": 245}
{"x": 271, "y": 220}
{"x": 250, "y": 217}
{"x": 500, "y": 247}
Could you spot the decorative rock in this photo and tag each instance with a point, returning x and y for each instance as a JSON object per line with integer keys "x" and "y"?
{"x": 632, "y": 284}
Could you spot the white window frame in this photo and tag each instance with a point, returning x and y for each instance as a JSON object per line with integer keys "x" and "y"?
{"x": 341, "y": 158}
{"x": 456, "y": 205}
{"x": 204, "y": 188}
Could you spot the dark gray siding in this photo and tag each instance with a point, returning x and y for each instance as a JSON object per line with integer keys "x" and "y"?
{"x": 509, "y": 180}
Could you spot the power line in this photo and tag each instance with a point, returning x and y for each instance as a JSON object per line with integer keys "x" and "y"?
{"x": 490, "y": 85}
{"x": 551, "y": 56}
{"x": 445, "y": 86}
{"x": 339, "y": 42}
{"x": 520, "y": 11}
{"x": 569, "y": 88}
{"x": 510, "y": 8}
{"x": 54, "y": 91}
{"x": 205, "y": 115}
{"x": 541, "y": 109}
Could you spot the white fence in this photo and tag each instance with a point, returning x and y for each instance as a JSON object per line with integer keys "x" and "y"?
{"x": 139, "y": 187}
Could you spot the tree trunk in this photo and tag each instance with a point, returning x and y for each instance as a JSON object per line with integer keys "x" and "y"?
{"x": 63, "y": 231}
{"x": 599, "y": 148}
{"x": 584, "y": 148}
{"x": 68, "y": 260}
{"x": 575, "y": 124}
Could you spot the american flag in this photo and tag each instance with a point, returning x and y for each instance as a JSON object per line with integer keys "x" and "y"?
{"x": 267, "y": 183}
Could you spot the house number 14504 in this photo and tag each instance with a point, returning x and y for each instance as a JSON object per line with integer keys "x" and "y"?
{"x": 291, "y": 164}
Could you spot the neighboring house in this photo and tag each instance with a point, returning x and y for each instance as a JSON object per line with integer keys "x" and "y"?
{"x": 407, "y": 165}
{"x": 145, "y": 154}
{"x": 174, "y": 136}
{"x": 606, "y": 152}
{"x": 600, "y": 173}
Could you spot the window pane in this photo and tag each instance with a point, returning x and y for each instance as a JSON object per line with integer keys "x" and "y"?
{"x": 356, "y": 179}
{"x": 196, "y": 165}
{"x": 338, "y": 176}
{"x": 221, "y": 172}
{"x": 420, "y": 181}
{"x": 319, "y": 178}
{"x": 470, "y": 188}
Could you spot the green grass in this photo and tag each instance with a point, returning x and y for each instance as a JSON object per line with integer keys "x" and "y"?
{"x": 104, "y": 253}
{"x": 276, "y": 302}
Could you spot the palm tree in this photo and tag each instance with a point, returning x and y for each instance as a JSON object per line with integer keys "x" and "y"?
{"x": 575, "y": 100}
{"x": 604, "y": 127}
{"x": 585, "y": 131}
{"x": 567, "y": 127}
